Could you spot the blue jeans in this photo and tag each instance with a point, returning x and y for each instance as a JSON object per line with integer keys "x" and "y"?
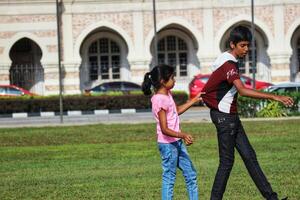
{"x": 231, "y": 135}
{"x": 175, "y": 155}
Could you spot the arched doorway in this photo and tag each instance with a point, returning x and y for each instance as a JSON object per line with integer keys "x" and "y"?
{"x": 261, "y": 58}
{"x": 26, "y": 70}
{"x": 104, "y": 58}
{"x": 176, "y": 47}
{"x": 295, "y": 59}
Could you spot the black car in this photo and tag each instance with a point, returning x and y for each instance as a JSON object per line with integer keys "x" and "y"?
{"x": 116, "y": 86}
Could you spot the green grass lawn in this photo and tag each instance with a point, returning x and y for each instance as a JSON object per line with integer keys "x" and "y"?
{"x": 122, "y": 162}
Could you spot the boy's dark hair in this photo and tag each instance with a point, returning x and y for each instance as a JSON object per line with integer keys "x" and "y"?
{"x": 240, "y": 33}
{"x": 155, "y": 76}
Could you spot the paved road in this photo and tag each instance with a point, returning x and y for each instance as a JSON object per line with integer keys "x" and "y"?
{"x": 192, "y": 115}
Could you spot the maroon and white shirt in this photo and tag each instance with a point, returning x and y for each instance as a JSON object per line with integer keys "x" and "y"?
{"x": 220, "y": 92}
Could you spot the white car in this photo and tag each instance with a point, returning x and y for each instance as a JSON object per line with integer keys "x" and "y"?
{"x": 284, "y": 87}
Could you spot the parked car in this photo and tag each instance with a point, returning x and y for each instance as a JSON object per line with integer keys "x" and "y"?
{"x": 259, "y": 85}
{"x": 13, "y": 90}
{"x": 116, "y": 86}
{"x": 198, "y": 82}
{"x": 284, "y": 87}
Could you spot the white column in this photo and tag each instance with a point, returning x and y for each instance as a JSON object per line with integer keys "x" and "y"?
{"x": 4, "y": 73}
{"x": 138, "y": 64}
{"x": 71, "y": 78}
{"x": 67, "y": 36}
{"x": 207, "y": 49}
{"x": 279, "y": 55}
{"x": 51, "y": 76}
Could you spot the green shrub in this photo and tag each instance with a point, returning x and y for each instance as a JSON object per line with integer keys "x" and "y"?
{"x": 250, "y": 107}
{"x": 81, "y": 102}
{"x": 272, "y": 109}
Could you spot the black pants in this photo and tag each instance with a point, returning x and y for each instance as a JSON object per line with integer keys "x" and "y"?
{"x": 231, "y": 135}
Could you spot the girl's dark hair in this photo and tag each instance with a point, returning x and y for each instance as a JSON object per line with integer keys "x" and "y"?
{"x": 240, "y": 33}
{"x": 155, "y": 76}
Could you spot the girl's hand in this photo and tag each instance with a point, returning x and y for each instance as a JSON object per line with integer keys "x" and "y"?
{"x": 188, "y": 139}
{"x": 197, "y": 98}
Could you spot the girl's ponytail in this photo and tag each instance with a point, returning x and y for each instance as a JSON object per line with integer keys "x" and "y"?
{"x": 154, "y": 78}
{"x": 146, "y": 86}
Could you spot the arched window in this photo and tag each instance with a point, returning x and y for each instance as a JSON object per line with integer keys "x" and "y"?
{"x": 246, "y": 64}
{"x": 104, "y": 58}
{"x": 173, "y": 51}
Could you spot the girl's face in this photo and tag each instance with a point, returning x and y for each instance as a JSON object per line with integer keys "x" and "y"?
{"x": 170, "y": 83}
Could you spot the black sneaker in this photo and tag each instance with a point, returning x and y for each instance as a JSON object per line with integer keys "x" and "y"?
{"x": 285, "y": 198}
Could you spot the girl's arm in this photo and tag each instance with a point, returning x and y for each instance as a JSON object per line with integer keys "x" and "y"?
{"x": 169, "y": 132}
{"x": 182, "y": 108}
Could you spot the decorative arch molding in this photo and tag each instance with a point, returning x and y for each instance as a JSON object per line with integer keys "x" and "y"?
{"x": 181, "y": 22}
{"x": 289, "y": 35}
{"x": 260, "y": 24}
{"x": 95, "y": 26}
{"x": 10, "y": 42}
{"x": 291, "y": 38}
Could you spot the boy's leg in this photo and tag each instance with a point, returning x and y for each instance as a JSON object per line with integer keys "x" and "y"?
{"x": 169, "y": 156}
{"x": 226, "y": 131}
{"x": 190, "y": 175}
{"x": 249, "y": 157}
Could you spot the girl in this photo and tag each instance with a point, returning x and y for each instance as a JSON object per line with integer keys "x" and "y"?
{"x": 169, "y": 137}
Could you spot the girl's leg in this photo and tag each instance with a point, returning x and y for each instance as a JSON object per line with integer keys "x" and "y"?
{"x": 190, "y": 175}
{"x": 169, "y": 156}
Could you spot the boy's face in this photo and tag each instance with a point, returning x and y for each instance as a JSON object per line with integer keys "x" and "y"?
{"x": 240, "y": 49}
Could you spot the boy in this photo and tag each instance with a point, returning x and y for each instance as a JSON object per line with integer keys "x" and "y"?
{"x": 221, "y": 97}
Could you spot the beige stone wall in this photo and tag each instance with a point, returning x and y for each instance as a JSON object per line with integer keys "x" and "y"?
{"x": 53, "y": 89}
{"x": 263, "y": 13}
{"x": 4, "y": 77}
{"x": 27, "y": 18}
{"x": 194, "y": 17}
{"x": 292, "y": 13}
{"x": 280, "y": 72}
{"x": 34, "y": 21}
{"x": 277, "y": 79}
{"x": 82, "y": 21}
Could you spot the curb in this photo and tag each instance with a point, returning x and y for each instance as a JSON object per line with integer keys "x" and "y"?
{"x": 74, "y": 113}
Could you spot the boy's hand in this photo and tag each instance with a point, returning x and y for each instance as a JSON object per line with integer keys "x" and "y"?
{"x": 197, "y": 98}
{"x": 286, "y": 100}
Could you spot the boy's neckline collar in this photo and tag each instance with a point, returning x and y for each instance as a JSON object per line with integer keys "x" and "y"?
{"x": 233, "y": 58}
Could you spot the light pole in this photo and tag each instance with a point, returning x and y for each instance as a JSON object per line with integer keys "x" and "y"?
{"x": 58, "y": 14}
{"x": 253, "y": 44}
{"x": 155, "y": 34}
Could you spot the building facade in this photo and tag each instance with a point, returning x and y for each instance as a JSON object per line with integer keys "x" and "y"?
{"x": 105, "y": 40}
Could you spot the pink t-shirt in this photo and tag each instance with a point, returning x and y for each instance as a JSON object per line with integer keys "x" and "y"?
{"x": 165, "y": 102}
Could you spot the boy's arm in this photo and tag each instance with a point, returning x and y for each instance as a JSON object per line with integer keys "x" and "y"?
{"x": 182, "y": 108}
{"x": 243, "y": 91}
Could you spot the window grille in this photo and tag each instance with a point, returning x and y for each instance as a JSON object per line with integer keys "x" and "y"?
{"x": 104, "y": 60}
{"x": 173, "y": 51}
{"x": 245, "y": 64}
